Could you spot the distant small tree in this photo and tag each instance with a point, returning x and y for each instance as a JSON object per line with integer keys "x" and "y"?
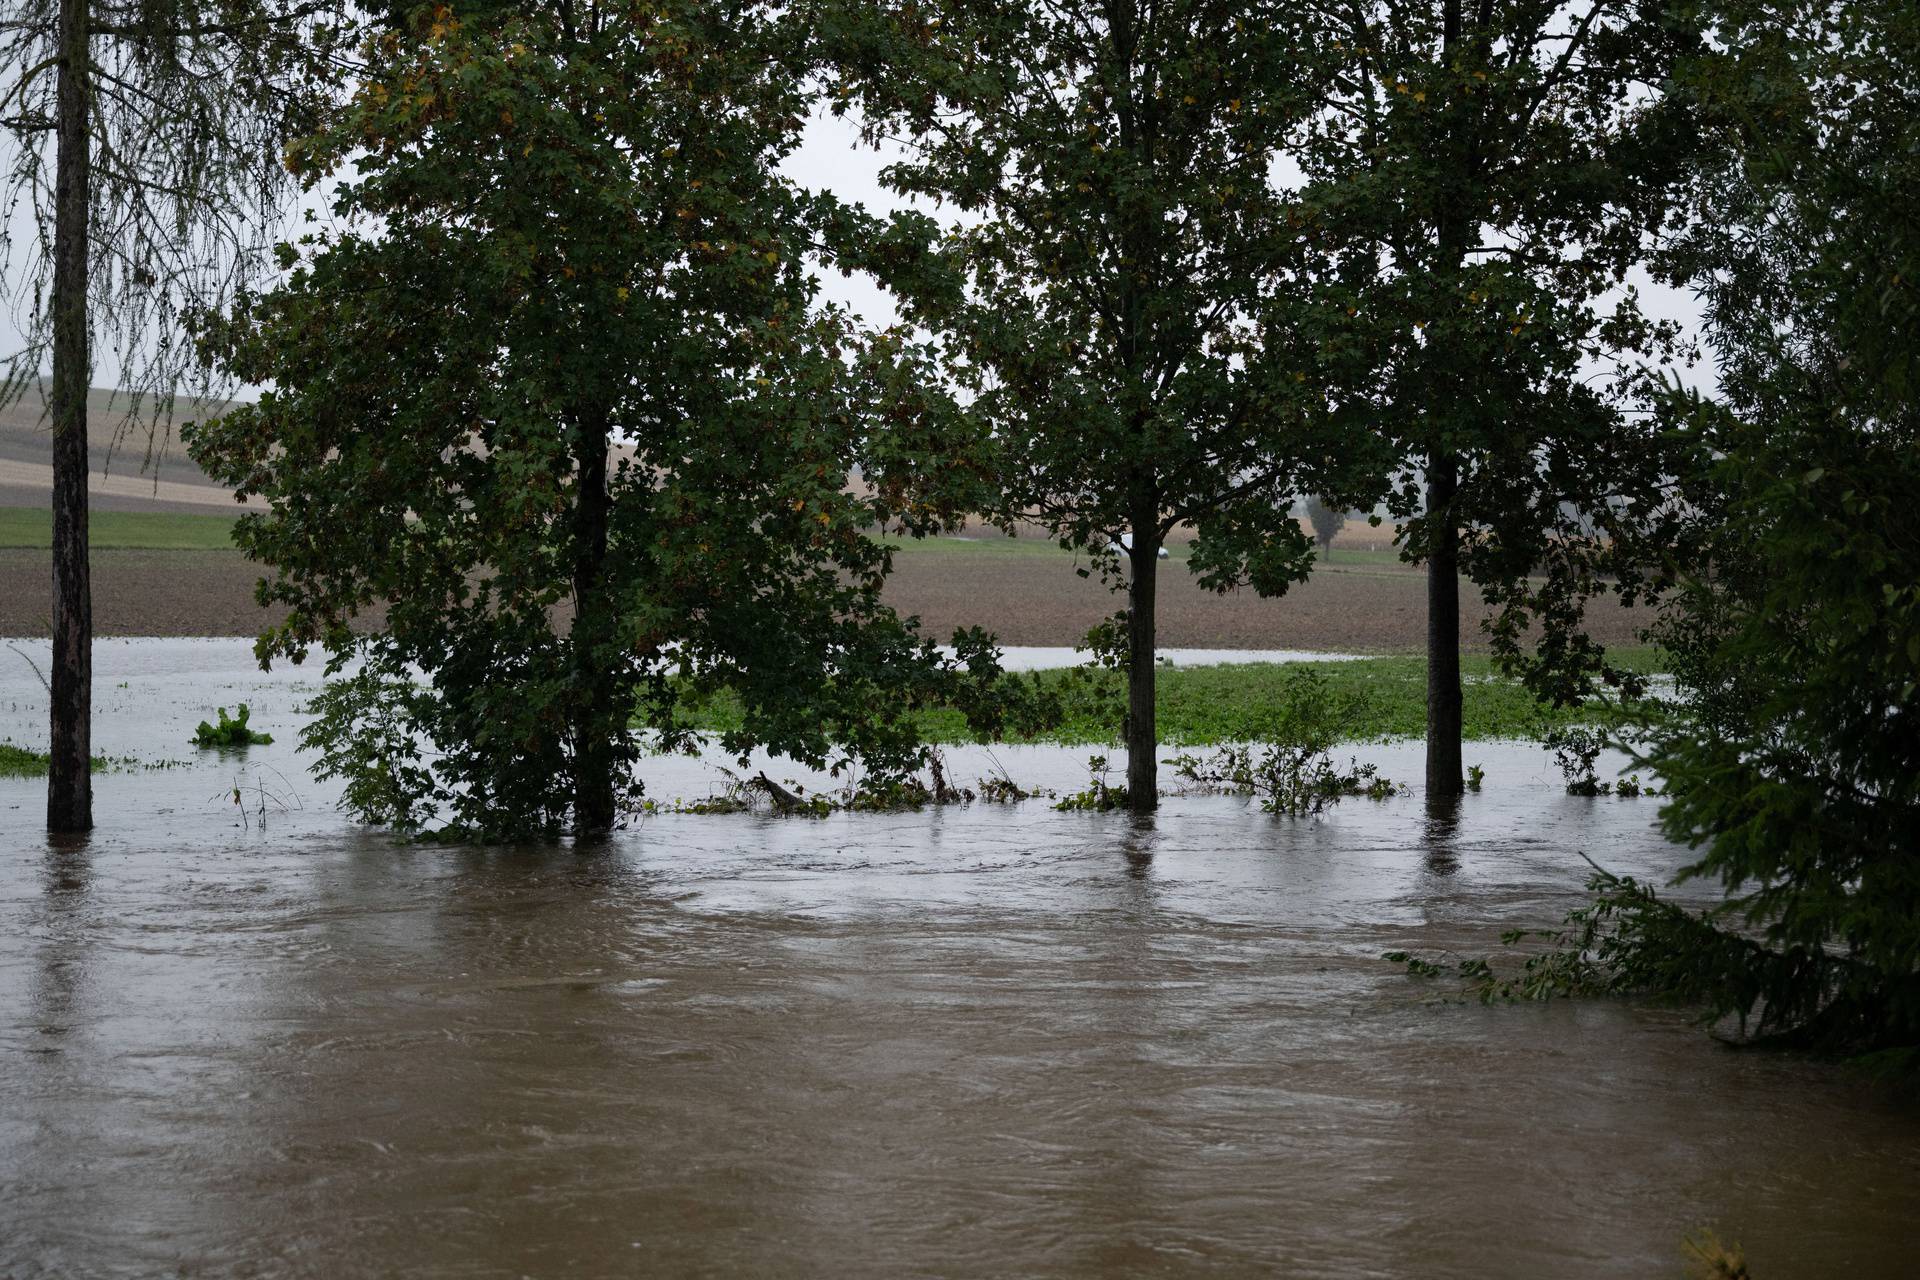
{"x": 1120, "y": 302}
{"x": 1327, "y": 523}
{"x": 564, "y": 358}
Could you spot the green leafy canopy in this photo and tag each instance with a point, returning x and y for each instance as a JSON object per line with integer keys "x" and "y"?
{"x": 556, "y": 411}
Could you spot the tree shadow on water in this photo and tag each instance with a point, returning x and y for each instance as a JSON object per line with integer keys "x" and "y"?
{"x": 1136, "y": 848}
{"x": 1442, "y": 833}
{"x": 61, "y": 968}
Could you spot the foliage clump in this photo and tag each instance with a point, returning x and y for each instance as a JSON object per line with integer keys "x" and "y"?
{"x": 1711, "y": 1258}
{"x": 230, "y": 732}
{"x": 1292, "y": 773}
{"x": 1099, "y": 795}
{"x": 999, "y": 788}
{"x": 884, "y": 792}
{"x": 1290, "y": 779}
{"x": 1575, "y": 749}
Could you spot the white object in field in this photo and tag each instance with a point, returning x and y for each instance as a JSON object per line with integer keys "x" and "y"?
{"x": 1126, "y": 545}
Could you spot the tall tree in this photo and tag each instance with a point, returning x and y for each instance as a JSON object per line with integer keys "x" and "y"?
{"x": 1117, "y": 300}
{"x": 1509, "y": 162}
{"x": 559, "y": 397}
{"x": 161, "y": 121}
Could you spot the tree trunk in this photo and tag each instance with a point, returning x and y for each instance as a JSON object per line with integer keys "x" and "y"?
{"x": 594, "y": 762}
{"x": 1443, "y": 630}
{"x": 1143, "y": 740}
{"x": 69, "y": 772}
{"x": 1444, "y": 779}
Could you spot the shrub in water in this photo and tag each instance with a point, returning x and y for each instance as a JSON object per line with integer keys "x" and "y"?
{"x": 229, "y": 733}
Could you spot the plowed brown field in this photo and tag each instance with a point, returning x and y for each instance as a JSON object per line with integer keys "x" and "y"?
{"x": 1025, "y": 596}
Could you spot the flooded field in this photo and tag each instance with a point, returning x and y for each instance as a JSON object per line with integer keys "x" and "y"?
{"x": 981, "y": 1041}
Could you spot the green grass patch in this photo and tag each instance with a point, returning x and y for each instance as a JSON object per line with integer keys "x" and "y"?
{"x": 32, "y": 527}
{"x": 19, "y": 762}
{"x": 1372, "y": 699}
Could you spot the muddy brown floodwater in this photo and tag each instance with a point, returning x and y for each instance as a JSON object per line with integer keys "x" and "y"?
{"x": 978, "y": 1042}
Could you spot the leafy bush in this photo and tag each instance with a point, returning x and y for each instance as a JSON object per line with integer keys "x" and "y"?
{"x": 1293, "y": 774}
{"x": 1099, "y": 796}
{"x": 881, "y": 792}
{"x": 230, "y": 733}
{"x": 1292, "y": 780}
{"x": 1575, "y": 750}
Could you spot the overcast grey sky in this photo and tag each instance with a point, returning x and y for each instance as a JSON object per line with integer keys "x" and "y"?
{"x": 830, "y": 157}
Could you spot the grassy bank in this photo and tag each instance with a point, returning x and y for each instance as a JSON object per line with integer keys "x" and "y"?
{"x": 1369, "y": 700}
{"x": 32, "y": 528}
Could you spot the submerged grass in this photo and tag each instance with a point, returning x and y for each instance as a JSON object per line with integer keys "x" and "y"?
{"x": 20, "y": 762}
{"x": 1372, "y": 699}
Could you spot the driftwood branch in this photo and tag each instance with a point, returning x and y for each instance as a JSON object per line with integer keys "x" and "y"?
{"x": 783, "y": 800}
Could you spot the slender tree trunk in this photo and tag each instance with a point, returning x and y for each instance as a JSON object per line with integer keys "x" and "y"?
{"x": 1445, "y": 782}
{"x": 1143, "y": 739}
{"x": 69, "y": 772}
{"x": 594, "y": 760}
{"x": 1443, "y": 630}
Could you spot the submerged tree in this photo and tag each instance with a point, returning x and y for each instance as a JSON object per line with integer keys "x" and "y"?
{"x": 559, "y": 401}
{"x": 1117, "y": 299}
{"x": 1508, "y": 163}
{"x": 160, "y": 124}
